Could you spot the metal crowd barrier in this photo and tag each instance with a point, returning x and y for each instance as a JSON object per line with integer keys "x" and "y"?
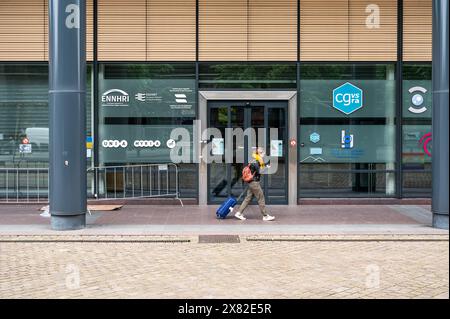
{"x": 30, "y": 185}
{"x": 134, "y": 181}
{"x": 20, "y": 185}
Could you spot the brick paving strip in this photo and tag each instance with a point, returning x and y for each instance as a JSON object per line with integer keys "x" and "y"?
{"x": 194, "y": 239}
{"x": 256, "y": 266}
{"x": 94, "y": 238}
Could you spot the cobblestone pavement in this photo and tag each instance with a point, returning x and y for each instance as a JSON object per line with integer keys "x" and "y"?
{"x": 383, "y": 266}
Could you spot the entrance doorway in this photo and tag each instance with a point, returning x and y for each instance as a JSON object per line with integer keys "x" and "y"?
{"x": 225, "y": 175}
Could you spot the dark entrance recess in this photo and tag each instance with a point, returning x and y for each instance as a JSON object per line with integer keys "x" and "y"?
{"x": 225, "y": 178}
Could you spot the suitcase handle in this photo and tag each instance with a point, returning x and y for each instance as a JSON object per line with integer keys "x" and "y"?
{"x": 243, "y": 192}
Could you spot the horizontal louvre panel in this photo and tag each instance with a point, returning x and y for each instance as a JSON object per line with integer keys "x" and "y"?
{"x": 89, "y": 30}
{"x": 222, "y": 30}
{"x": 272, "y": 30}
{"x": 417, "y": 26}
{"x": 373, "y": 44}
{"x": 22, "y": 30}
{"x": 122, "y": 30}
{"x": 324, "y": 30}
{"x": 245, "y": 30}
{"x": 171, "y": 30}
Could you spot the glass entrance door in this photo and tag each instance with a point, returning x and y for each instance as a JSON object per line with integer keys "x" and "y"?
{"x": 245, "y": 125}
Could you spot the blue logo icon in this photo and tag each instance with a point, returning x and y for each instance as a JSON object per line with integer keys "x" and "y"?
{"x": 314, "y": 137}
{"x": 346, "y": 140}
{"x": 347, "y": 98}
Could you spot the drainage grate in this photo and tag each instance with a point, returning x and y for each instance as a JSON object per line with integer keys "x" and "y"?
{"x": 218, "y": 239}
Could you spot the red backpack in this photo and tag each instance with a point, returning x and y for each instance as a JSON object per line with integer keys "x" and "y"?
{"x": 247, "y": 175}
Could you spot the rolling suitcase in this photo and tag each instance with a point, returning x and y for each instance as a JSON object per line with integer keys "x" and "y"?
{"x": 228, "y": 205}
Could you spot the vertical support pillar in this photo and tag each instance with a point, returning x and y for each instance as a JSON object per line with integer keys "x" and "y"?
{"x": 292, "y": 157}
{"x": 440, "y": 114}
{"x": 67, "y": 81}
{"x": 202, "y": 165}
{"x": 393, "y": 180}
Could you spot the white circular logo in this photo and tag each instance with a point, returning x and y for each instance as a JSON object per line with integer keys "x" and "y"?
{"x": 114, "y": 143}
{"x": 417, "y": 99}
{"x": 171, "y": 143}
{"x": 147, "y": 143}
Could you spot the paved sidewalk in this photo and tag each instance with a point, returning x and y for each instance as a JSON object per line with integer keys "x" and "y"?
{"x": 304, "y": 219}
{"x": 382, "y": 266}
{"x": 310, "y": 251}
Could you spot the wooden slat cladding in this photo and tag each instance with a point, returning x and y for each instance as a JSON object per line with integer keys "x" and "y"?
{"x": 324, "y": 30}
{"x": 122, "y": 30}
{"x": 417, "y": 30}
{"x": 247, "y": 30}
{"x": 22, "y": 31}
{"x": 223, "y": 30}
{"x": 272, "y": 27}
{"x": 229, "y": 30}
{"x": 171, "y": 30}
{"x": 370, "y": 41}
{"x": 89, "y": 30}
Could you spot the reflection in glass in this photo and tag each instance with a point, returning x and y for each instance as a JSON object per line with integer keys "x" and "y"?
{"x": 335, "y": 138}
{"x": 416, "y": 129}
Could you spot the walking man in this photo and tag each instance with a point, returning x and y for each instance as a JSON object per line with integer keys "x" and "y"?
{"x": 254, "y": 187}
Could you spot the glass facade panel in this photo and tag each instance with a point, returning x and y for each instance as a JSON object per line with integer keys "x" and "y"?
{"x": 347, "y": 130}
{"x": 247, "y": 75}
{"x": 346, "y": 133}
{"x": 24, "y": 114}
{"x": 139, "y": 106}
{"x": 416, "y": 128}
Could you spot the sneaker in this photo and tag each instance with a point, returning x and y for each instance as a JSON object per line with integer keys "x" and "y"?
{"x": 240, "y": 216}
{"x": 268, "y": 218}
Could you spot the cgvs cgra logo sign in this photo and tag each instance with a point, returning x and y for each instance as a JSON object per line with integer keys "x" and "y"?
{"x": 347, "y": 98}
{"x": 115, "y": 97}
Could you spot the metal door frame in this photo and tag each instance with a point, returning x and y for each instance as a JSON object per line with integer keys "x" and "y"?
{"x": 248, "y": 106}
{"x": 272, "y": 95}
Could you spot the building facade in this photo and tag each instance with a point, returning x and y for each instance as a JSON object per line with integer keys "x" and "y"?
{"x": 346, "y": 84}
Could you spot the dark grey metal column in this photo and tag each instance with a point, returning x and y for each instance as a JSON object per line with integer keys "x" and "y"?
{"x": 440, "y": 114}
{"x": 67, "y": 93}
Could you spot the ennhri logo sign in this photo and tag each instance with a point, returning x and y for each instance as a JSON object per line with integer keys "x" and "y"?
{"x": 115, "y": 97}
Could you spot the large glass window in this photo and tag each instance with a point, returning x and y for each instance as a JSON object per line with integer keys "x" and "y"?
{"x": 139, "y": 106}
{"x": 347, "y": 130}
{"x": 24, "y": 114}
{"x": 247, "y": 76}
{"x": 417, "y": 139}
